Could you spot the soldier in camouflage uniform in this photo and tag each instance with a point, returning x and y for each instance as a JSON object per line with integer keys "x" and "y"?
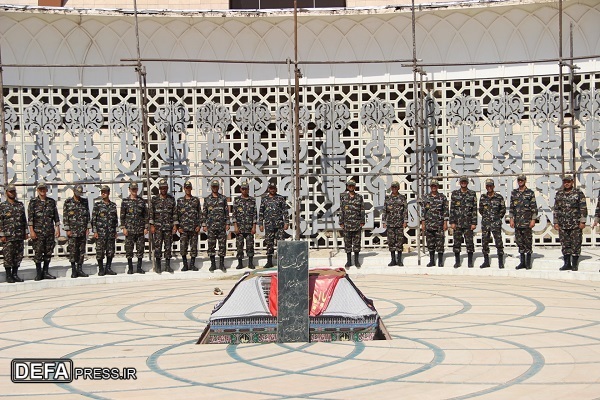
{"x": 163, "y": 225}
{"x": 244, "y": 224}
{"x": 352, "y": 219}
{"x": 434, "y": 222}
{"x": 189, "y": 212}
{"x": 395, "y": 220}
{"x": 13, "y": 232}
{"x": 215, "y": 222}
{"x": 44, "y": 227}
{"x": 523, "y": 213}
{"x": 273, "y": 219}
{"x": 597, "y": 213}
{"x": 463, "y": 220}
{"x": 492, "y": 209}
{"x": 134, "y": 216}
{"x": 570, "y": 213}
{"x": 76, "y": 216}
{"x": 104, "y": 225}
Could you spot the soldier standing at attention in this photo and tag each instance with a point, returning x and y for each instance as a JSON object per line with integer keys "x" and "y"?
{"x": 570, "y": 213}
{"x": 215, "y": 222}
{"x": 434, "y": 222}
{"x": 352, "y": 219}
{"x": 492, "y": 209}
{"x": 163, "y": 225}
{"x": 44, "y": 227}
{"x": 76, "y": 215}
{"x": 13, "y": 232}
{"x": 189, "y": 212}
{"x": 104, "y": 225}
{"x": 463, "y": 220}
{"x": 244, "y": 224}
{"x": 395, "y": 219}
{"x": 134, "y": 215}
{"x": 523, "y": 213}
{"x": 273, "y": 219}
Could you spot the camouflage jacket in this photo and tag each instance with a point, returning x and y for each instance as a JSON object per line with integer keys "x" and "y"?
{"x": 134, "y": 215}
{"x": 163, "y": 213}
{"x": 189, "y": 212}
{"x": 395, "y": 211}
{"x": 215, "y": 213}
{"x": 570, "y": 208}
{"x": 104, "y": 218}
{"x": 13, "y": 223}
{"x": 244, "y": 213}
{"x": 273, "y": 212}
{"x": 492, "y": 210}
{"x": 463, "y": 208}
{"x": 352, "y": 211}
{"x": 76, "y": 216}
{"x": 43, "y": 216}
{"x": 435, "y": 211}
{"x": 523, "y": 207}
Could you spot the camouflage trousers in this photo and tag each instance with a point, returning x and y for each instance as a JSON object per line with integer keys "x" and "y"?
{"x": 395, "y": 238}
{"x": 352, "y": 241}
{"x": 134, "y": 240}
{"x": 76, "y": 249}
{"x": 486, "y": 238}
{"x": 242, "y": 237}
{"x": 189, "y": 239}
{"x": 460, "y": 234}
{"x": 570, "y": 241}
{"x": 43, "y": 248}
{"x": 13, "y": 253}
{"x": 214, "y": 236}
{"x": 105, "y": 245}
{"x": 272, "y": 235}
{"x": 160, "y": 237}
{"x": 435, "y": 239}
{"x": 524, "y": 240}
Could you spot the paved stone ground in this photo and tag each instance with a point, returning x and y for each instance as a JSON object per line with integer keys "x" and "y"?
{"x": 457, "y": 334}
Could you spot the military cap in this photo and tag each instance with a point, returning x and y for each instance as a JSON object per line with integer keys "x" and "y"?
{"x": 215, "y": 183}
{"x": 396, "y": 184}
{"x": 567, "y": 177}
{"x": 434, "y": 182}
{"x": 351, "y": 182}
{"x": 78, "y": 189}
{"x": 522, "y": 177}
{"x": 489, "y": 182}
{"x": 463, "y": 178}
{"x": 41, "y": 185}
{"x": 187, "y": 184}
{"x": 10, "y": 188}
{"x": 105, "y": 188}
{"x": 244, "y": 184}
{"x": 273, "y": 184}
{"x": 163, "y": 183}
{"x": 133, "y": 185}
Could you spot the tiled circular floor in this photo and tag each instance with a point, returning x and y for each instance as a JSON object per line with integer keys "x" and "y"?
{"x": 455, "y": 337}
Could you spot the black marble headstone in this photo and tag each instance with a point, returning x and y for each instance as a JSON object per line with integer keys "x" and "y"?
{"x": 292, "y": 291}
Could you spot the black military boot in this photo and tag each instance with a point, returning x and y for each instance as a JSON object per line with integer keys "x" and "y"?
{"x": 399, "y": 259}
{"x": 129, "y": 266}
{"x": 139, "y": 269}
{"x": 522, "y": 263}
{"x": 101, "y": 267}
{"x": 168, "y": 266}
{"x": 16, "y": 277}
{"x": 45, "y": 269}
{"x": 39, "y": 274}
{"x": 74, "y": 270}
{"x": 193, "y": 264}
{"x": 486, "y": 261}
{"x": 269, "y": 263}
{"x": 213, "y": 265}
{"x": 575, "y": 263}
{"x": 431, "y": 259}
{"x": 456, "y": 260}
{"x": 80, "y": 271}
{"x": 251, "y": 262}
{"x": 240, "y": 263}
{"x": 440, "y": 260}
{"x": 348, "y": 260}
{"x": 470, "y": 260}
{"x": 393, "y": 262}
{"x": 222, "y": 264}
{"x": 500, "y": 260}
{"x": 157, "y": 265}
{"x": 109, "y": 270}
{"x": 185, "y": 264}
{"x": 9, "y": 276}
{"x": 356, "y": 261}
{"x": 529, "y": 260}
{"x": 567, "y": 263}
